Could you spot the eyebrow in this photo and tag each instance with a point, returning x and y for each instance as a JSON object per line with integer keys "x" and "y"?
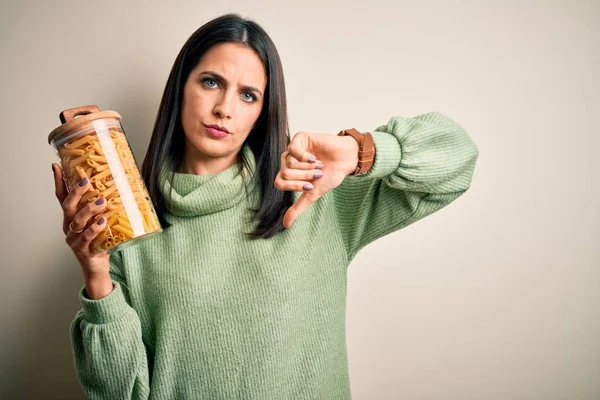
{"x": 221, "y": 78}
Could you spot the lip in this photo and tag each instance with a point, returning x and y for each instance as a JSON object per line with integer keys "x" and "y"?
{"x": 217, "y": 127}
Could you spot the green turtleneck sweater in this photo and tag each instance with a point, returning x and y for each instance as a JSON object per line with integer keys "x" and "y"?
{"x": 200, "y": 311}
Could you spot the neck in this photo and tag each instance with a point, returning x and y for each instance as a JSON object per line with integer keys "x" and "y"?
{"x": 200, "y": 164}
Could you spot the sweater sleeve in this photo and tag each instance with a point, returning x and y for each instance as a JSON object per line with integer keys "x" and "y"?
{"x": 421, "y": 165}
{"x": 106, "y": 336}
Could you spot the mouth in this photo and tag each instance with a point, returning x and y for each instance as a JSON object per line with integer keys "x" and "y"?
{"x": 218, "y": 128}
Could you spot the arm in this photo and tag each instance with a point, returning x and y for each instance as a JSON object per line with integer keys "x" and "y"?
{"x": 106, "y": 336}
{"x": 421, "y": 165}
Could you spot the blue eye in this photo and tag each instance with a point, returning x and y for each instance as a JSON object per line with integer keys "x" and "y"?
{"x": 206, "y": 81}
{"x": 250, "y": 98}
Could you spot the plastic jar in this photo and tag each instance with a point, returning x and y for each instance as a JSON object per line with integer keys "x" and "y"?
{"x": 94, "y": 146}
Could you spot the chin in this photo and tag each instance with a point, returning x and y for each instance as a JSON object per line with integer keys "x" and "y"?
{"x": 214, "y": 148}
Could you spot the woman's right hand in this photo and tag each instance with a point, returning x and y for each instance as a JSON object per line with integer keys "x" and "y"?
{"x": 95, "y": 267}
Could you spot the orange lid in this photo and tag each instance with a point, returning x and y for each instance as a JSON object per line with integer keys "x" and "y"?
{"x": 70, "y": 124}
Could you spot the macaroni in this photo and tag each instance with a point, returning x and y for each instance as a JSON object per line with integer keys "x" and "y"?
{"x": 84, "y": 157}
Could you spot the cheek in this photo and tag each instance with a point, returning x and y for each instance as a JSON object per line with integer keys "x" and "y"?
{"x": 193, "y": 110}
{"x": 194, "y": 102}
{"x": 250, "y": 115}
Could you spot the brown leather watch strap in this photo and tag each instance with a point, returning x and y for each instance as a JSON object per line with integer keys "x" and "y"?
{"x": 366, "y": 150}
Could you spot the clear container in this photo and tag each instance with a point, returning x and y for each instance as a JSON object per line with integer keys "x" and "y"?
{"x": 94, "y": 146}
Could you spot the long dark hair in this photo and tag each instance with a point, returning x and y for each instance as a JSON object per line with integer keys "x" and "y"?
{"x": 268, "y": 139}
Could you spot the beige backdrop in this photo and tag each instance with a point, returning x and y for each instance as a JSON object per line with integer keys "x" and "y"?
{"x": 493, "y": 298}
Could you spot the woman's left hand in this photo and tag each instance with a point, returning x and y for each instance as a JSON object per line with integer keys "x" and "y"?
{"x": 314, "y": 164}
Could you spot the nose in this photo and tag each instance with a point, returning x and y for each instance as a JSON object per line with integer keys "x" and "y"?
{"x": 223, "y": 107}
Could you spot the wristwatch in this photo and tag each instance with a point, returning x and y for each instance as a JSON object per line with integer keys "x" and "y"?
{"x": 366, "y": 150}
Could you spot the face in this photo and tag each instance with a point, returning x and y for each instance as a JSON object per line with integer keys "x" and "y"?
{"x": 226, "y": 89}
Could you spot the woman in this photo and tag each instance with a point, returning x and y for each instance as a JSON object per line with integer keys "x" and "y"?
{"x": 242, "y": 296}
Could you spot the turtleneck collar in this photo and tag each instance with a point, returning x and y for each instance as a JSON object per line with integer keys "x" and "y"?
{"x": 195, "y": 195}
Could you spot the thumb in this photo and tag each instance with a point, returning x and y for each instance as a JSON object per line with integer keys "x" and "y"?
{"x": 297, "y": 209}
{"x": 60, "y": 190}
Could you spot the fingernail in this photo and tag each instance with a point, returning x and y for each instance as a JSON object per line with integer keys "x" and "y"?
{"x": 318, "y": 175}
{"x": 101, "y": 221}
{"x": 99, "y": 201}
{"x": 83, "y": 182}
{"x": 307, "y": 186}
{"x": 312, "y": 159}
{"x": 319, "y": 165}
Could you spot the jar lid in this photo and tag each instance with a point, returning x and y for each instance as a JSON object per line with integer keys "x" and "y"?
{"x": 70, "y": 124}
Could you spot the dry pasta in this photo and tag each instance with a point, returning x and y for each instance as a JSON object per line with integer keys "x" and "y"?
{"x": 84, "y": 157}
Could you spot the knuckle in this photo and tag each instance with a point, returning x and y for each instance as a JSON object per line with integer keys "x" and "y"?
{"x": 293, "y": 149}
{"x": 79, "y": 218}
{"x": 76, "y": 247}
{"x": 88, "y": 234}
{"x": 72, "y": 196}
{"x": 66, "y": 203}
{"x": 75, "y": 223}
{"x": 280, "y": 184}
{"x": 94, "y": 226}
{"x": 91, "y": 206}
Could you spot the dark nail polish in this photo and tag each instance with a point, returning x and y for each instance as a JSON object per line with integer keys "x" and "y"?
{"x": 101, "y": 221}
{"x": 83, "y": 182}
{"x": 99, "y": 201}
{"x": 318, "y": 175}
{"x": 307, "y": 186}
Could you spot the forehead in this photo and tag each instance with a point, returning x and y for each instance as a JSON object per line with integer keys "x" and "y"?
{"x": 236, "y": 63}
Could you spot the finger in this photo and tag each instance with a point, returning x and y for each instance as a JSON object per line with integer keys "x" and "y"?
{"x": 60, "y": 189}
{"x": 298, "y": 208}
{"x": 289, "y": 174}
{"x": 283, "y": 160}
{"x": 83, "y": 240}
{"x": 82, "y": 218}
{"x": 74, "y": 197}
{"x": 301, "y": 154}
{"x": 294, "y": 163}
{"x": 295, "y": 186}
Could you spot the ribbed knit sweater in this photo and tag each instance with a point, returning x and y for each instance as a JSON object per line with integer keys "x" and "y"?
{"x": 200, "y": 311}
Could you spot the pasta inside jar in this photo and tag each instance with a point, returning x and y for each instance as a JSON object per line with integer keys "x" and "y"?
{"x": 102, "y": 154}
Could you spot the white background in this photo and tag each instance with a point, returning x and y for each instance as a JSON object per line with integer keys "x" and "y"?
{"x": 494, "y": 297}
